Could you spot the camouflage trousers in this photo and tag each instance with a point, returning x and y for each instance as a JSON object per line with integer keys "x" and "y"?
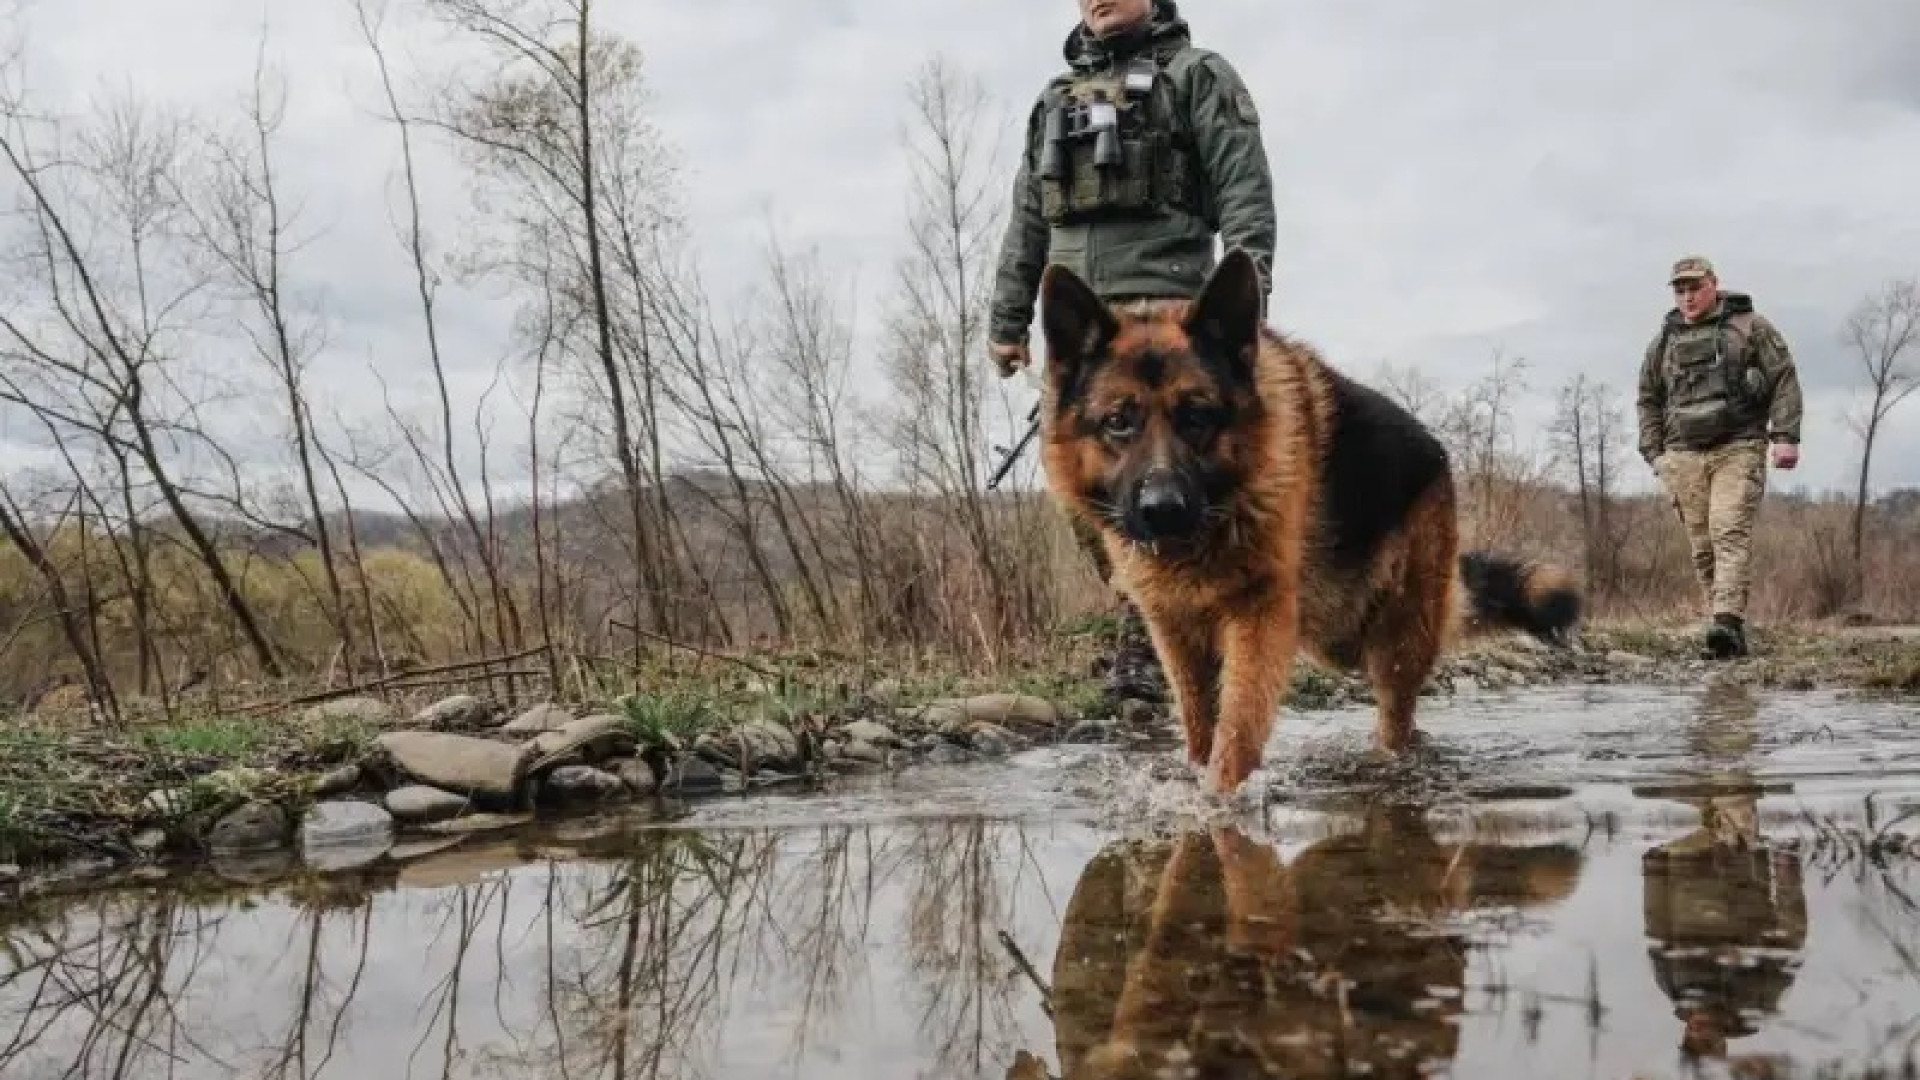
{"x": 1717, "y": 495}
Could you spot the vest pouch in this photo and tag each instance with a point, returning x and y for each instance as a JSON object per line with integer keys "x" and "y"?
{"x": 1701, "y": 409}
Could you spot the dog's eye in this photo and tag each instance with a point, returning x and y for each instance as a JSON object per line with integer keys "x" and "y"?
{"x": 1118, "y": 423}
{"x": 1196, "y": 419}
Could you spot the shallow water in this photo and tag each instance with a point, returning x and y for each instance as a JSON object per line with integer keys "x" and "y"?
{"x": 1579, "y": 884}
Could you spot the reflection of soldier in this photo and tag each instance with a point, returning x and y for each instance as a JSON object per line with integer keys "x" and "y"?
{"x": 1725, "y": 912}
{"x": 1205, "y": 949}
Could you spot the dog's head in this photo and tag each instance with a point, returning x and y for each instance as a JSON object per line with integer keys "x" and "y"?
{"x": 1155, "y": 417}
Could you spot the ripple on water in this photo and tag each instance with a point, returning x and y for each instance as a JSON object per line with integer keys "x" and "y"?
{"x": 1561, "y": 883}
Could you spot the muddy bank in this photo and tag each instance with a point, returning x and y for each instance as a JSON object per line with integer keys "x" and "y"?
{"x": 340, "y": 784}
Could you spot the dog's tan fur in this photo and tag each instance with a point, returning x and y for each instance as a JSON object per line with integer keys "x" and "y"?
{"x": 1227, "y": 616}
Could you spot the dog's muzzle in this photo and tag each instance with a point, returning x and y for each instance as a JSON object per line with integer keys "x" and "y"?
{"x": 1164, "y": 509}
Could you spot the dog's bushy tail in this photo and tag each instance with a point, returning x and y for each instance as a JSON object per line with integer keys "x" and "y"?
{"x": 1505, "y": 593}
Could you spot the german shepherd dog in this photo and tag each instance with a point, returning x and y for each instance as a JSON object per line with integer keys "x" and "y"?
{"x": 1254, "y": 501}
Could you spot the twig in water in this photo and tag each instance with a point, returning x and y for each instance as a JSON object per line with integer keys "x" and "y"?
{"x": 1020, "y": 958}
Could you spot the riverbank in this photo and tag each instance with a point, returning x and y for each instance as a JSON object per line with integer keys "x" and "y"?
{"x": 343, "y": 782}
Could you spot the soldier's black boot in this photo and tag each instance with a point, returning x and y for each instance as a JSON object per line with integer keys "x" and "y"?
{"x": 1134, "y": 671}
{"x": 1727, "y": 637}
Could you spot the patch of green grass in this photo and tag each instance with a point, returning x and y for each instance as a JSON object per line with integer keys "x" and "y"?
{"x": 222, "y": 738}
{"x": 678, "y": 713}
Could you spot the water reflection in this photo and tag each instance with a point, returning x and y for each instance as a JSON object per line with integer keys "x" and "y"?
{"x": 1389, "y": 935}
{"x": 1205, "y": 953}
{"x": 1725, "y": 908}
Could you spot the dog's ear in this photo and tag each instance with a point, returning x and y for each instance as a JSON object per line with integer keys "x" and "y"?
{"x": 1225, "y": 318}
{"x": 1077, "y": 324}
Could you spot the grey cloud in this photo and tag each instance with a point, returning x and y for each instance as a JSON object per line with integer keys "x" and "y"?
{"x": 1453, "y": 178}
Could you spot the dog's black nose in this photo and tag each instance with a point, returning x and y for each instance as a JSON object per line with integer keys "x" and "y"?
{"x": 1164, "y": 509}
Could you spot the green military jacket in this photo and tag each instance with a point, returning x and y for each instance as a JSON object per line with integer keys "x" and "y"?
{"x": 1166, "y": 251}
{"x": 1729, "y": 376}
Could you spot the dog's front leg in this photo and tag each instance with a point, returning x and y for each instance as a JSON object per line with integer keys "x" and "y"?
{"x": 1192, "y": 663}
{"x": 1256, "y": 651}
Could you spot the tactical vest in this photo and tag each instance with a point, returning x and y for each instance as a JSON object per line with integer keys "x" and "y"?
{"x": 1714, "y": 389}
{"x": 1116, "y": 143}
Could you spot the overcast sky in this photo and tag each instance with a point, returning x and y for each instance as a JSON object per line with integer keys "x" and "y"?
{"x": 1451, "y": 178}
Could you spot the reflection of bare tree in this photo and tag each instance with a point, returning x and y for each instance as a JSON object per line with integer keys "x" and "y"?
{"x": 653, "y": 964}
{"x": 832, "y": 906}
{"x": 296, "y": 1059}
{"x": 964, "y": 876}
{"x": 100, "y": 989}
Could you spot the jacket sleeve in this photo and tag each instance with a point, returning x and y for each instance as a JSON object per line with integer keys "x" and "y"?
{"x": 1233, "y": 157}
{"x": 1023, "y": 247}
{"x": 1652, "y": 402}
{"x": 1770, "y": 351}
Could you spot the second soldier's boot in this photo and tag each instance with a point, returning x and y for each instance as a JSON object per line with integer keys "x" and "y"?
{"x": 1134, "y": 669}
{"x": 1727, "y": 637}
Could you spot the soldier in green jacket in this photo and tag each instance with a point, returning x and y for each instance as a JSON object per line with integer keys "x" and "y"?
{"x": 1137, "y": 157}
{"x": 1718, "y": 385}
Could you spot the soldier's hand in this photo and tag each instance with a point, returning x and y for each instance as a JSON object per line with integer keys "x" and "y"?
{"x": 1785, "y": 455}
{"x": 1008, "y": 359}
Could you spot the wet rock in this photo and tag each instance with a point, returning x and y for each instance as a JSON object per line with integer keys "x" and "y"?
{"x": 252, "y": 867}
{"x": 583, "y": 783}
{"x": 418, "y": 803}
{"x": 420, "y": 849}
{"x": 359, "y": 710}
{"x": 866, "y": 731}
{"x": 1090, "y": 732}
{"x": 345, "y": 835}
{"x": 948, "y": 754}
{"x": 991, "y": 740}
{"x": 257, "y": 826}
{"x": 338, "y": 782}
{"x": 1135, "y": 713}
{"x": 469, "y": 824}
{"x": 945, "y": 717}
{"x": 752, "y": 747}
{"x": 462, "y": 712}
{"x": 539, "y": 720}
{"x": 1013, "y": 712}
{"x": 458, "y": 763}
{"x": 637, "y": 775}
{"x": 691, "y": 774}
{"x": 587, "y": 740}
{"x": 334, "y": 824}
{"x": 339, "y": 858}
{"x": 859, "y": 750}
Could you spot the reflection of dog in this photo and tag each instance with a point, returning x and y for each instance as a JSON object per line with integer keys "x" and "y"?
{"x": 1253, "y": 499}
{"x": 1205, "y": 949}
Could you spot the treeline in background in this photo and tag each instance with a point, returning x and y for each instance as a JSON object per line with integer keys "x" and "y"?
{"x": 648, "y": 465}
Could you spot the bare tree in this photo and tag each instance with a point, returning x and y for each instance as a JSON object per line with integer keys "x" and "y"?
{"x": 937, "y": 328}
{"x": 1589, "y": 429}
{"x": 242, "y": 221}
{"x": 92, "y": 340}
{"x": 1883, "y": 331}
{"x": 563, "y": 112}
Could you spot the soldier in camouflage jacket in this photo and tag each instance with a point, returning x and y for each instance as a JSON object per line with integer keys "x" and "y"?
{"x": 1137, "y": 156}
{"x": 1718, "y": 386}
